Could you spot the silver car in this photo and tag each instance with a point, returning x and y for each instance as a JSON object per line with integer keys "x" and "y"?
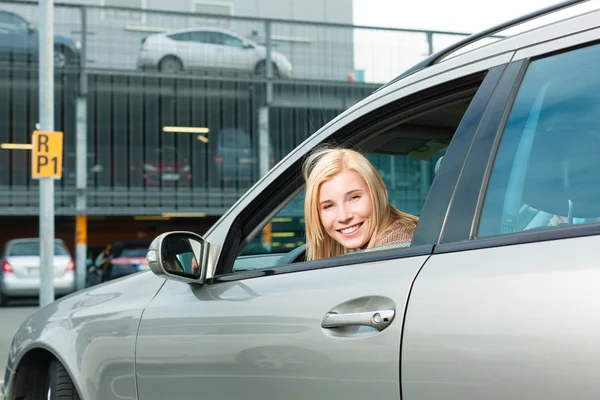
{"x": 20, "y": 273}
{"x": 216, "y": 49}
{"x": 495, "y": 298}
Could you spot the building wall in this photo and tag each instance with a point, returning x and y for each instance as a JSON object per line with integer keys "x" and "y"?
{"x": 114, "y": 37}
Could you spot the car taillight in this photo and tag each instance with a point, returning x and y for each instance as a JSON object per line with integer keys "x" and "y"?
{"x": 272, "y": 160}
{"x": 218, "y": 159}
{"x": 6, "y": 267}
{"x": 70, "y": 266}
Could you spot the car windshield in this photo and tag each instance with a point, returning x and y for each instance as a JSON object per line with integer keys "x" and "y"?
{"x": 33, "y": 249}
{"x": 134, "y": 253}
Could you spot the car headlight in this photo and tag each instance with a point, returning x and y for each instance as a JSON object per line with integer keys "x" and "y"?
{"x": 78, "y": 44}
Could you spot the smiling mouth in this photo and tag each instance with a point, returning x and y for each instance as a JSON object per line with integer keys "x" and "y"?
{"x": 350, "y": 229}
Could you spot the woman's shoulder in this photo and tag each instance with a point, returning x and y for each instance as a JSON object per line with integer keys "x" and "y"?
{"x": 399, "y": 231}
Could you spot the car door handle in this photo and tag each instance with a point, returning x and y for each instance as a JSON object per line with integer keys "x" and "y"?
{"x": 377, "y": 319}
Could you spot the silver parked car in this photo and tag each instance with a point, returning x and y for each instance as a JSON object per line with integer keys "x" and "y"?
{"x": 20, "y": 273}
{"x": 216, "y": 49}
{"x": 495, "y": 298}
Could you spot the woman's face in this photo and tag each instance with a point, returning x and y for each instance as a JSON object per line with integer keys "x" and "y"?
{"x": 346, "y": 209}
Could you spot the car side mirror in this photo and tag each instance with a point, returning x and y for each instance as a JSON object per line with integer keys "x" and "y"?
{"x": 181, "y": 256}
{"x": 31, "y": 28}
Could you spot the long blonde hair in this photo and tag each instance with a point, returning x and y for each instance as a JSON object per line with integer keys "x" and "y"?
{"x": 322, "y": 165}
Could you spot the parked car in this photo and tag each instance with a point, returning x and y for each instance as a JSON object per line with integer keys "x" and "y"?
{"x": 19, "y": 42}
{"x": 118, "y": 259}
{"x": 167, "y": 166}
{"x": 485, "y": 303}
{"x": 236, "y": 157}
{"x": 20, "y": 274}
{"x": 194, "y": 48}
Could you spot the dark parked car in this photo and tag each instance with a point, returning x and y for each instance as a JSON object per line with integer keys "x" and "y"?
{"x": 167, "y": 166}
{"x": 117, "y": 260}
{"x": 19, "y": 42}
{"x": 236, "y": 157}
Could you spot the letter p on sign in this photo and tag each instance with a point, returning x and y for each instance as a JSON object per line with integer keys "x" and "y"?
{"x": 47, "y": 155}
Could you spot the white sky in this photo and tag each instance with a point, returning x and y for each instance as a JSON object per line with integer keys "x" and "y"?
{"x": 383, "y": 55}
{"x": 468, "y": 16}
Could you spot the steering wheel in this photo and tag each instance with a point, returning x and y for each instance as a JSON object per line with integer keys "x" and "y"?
{"x": 296, "y": 255}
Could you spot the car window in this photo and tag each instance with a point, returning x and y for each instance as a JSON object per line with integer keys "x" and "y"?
{"x": 406, "y": 157}
{"x": 134, "y": 253}
{"x": 545, "y": 172}
{"x": 33, "y": 249}
{"x": 183, "y": 36}
{"x": 226, "y": 40}
{"x": 199, "y": 37}
{"x": 12, "y": 23}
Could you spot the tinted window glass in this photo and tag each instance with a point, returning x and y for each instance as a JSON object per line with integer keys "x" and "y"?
{"x": 33, "y": 249}
{"x": 227, "y": 40}
{"x": 184, "y": 36}
{"x": 200, "y": 37}
{"x": 134, "y": 253}
{"x": 11, "y": 23}
{"x": 545, "y": 172}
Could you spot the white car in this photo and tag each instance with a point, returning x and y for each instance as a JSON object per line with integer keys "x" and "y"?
{"x": 20, "y": 271}
{"x": 189, "y": 49}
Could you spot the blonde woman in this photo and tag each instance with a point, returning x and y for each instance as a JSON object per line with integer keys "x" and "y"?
{"x": 347, "y": 208}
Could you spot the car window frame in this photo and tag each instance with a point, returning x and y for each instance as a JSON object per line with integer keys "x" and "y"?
{"x": 464, "y": 219}
{"x": 289, "y": 183}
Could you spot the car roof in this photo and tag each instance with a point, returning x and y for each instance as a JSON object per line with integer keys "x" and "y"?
{"x": 31, "y": 240}
{"x": 201, "y": 29}
{"x": 504, "y": 44}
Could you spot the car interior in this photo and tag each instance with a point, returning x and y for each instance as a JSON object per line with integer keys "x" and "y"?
{"x": 420, "y": 137}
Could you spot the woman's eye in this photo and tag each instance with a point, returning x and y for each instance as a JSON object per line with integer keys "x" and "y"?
{"x": 326, "y": 206}
{"x": 355, "y": 197}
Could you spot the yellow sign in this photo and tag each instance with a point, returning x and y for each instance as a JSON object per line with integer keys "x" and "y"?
{"x": 47, "y": 155}
{"x": 267, "y": 235}
{"x": 81, "y": 228}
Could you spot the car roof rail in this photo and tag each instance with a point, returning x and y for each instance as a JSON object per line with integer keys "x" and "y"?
{"x": 431, "y": 59}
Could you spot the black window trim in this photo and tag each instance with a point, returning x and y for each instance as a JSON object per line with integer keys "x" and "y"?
{"x": 525, "y": 237}
{"x": 351, "y": 135}
{"x": 531, "y": 236}
{"x": 443, "y": 187}
{"x": 461, "y": 214}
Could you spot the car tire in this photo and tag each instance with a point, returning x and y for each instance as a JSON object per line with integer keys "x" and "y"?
{"x": 261, "y": 69}
{"x": 3, "y": 300}
{"x": 170, "y": 64}
{"x": 62, "y": 57}
{"x": 60, "y": 385}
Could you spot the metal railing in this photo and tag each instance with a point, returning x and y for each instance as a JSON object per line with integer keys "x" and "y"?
{"x": 112, "y": 37}
{"x": 131, "y": 160}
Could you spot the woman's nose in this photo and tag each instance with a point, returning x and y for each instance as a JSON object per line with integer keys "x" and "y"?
{"x": 344, "y": 214}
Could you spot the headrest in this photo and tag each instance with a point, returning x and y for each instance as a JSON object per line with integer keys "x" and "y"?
{"x": 563, "y": 164}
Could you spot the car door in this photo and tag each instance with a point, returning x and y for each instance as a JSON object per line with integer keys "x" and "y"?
{"x": 205, "y": 53}
{"x": 508, "y": 305}
{"x": 261, "y": 326}
{"x": 194, "y": 48}
{"x": 233, "y": 53}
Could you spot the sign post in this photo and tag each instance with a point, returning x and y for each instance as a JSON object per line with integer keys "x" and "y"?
{"x": 46, "y": 158}
{"x": 46, "y": 165}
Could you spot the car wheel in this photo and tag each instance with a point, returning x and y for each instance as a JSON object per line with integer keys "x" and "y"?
{"x": 60, "y": 385}
{"x": 62, "y": 57}
{"x": 170, "y": 64}
{"x": 261, "y": 69}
